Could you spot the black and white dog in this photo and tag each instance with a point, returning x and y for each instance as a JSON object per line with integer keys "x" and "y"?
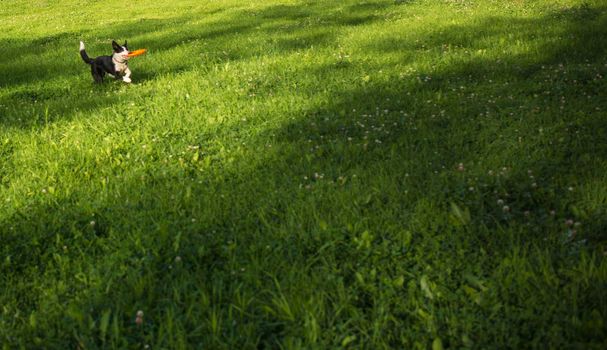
{"x": 114, "y": 65}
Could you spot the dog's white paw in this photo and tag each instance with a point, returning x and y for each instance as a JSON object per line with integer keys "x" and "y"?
{"x": 126, "y": 80}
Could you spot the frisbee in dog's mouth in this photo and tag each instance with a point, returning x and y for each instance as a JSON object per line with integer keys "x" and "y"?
{"x": 137, "y": 52}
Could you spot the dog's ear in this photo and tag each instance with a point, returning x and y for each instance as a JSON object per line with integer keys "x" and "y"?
{"x": 115, "y": 46}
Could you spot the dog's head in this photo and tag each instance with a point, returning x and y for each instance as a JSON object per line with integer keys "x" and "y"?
{"x": 122, "y": 51}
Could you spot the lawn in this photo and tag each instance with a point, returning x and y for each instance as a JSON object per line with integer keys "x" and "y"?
{"x": 299, "y": 174}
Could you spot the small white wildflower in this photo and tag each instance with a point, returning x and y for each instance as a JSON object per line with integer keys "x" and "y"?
{"x": 139, "y": 318}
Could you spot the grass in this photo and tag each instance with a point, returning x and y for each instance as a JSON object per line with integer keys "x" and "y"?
{"x": 299, "y": 174}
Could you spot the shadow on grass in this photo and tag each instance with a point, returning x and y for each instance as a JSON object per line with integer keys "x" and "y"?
{"x": 497, "y": 96}
{"x": 472, "y": 111}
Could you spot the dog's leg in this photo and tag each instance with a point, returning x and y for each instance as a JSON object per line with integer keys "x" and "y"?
{"x": 95, "y": 72}
{"x": 101, "y": 73}
{"x": 127, "y": 75}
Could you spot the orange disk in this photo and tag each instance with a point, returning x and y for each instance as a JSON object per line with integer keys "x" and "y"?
{"x": 137, "y": 52}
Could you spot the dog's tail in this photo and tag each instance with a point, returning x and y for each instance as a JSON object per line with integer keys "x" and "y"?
{"x": 83, "y": 54}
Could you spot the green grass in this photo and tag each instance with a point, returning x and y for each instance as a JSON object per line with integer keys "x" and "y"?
{"x": 287, "y": 175}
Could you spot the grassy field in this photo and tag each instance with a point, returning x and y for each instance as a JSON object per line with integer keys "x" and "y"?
{"x": 305, "y": 174}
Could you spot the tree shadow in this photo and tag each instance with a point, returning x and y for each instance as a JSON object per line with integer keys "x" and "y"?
{"x": 378, "y": 119}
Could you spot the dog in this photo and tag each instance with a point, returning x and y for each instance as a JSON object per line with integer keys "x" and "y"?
{"x": 115, "y": 65}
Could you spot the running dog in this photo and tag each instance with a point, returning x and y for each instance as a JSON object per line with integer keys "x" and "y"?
{"x": 115, "y": 65}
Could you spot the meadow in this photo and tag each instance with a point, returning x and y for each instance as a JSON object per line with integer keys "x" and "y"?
{"x": 296, "y": 174}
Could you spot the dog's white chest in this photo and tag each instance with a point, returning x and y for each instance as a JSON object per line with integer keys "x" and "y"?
{"x": 120, "y": 67}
